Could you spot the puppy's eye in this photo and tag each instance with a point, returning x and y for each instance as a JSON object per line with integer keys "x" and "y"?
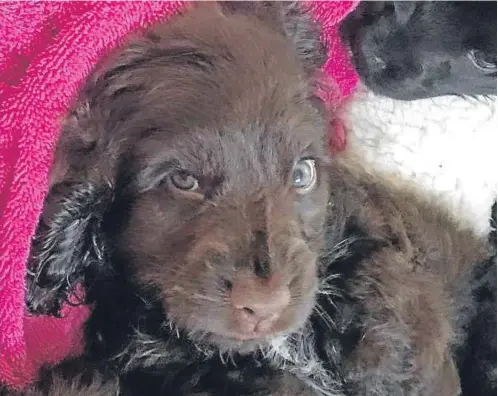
{"x": 483, "y": 61}
{"x": 304, "y": 175}
{"x": 184, "y": 181}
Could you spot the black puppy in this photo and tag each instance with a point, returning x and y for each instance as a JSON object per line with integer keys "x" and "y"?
{"x": 420, "y": 49}
{"x": 222, "y": 250}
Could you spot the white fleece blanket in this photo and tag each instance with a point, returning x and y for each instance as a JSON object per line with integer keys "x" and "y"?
{"x": 447, "y": 145}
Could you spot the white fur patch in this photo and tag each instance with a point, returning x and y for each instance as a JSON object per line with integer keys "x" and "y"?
{"x": 296, "y": 353}
{"x": 446, "y": 144}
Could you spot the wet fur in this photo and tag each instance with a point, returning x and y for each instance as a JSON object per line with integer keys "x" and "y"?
{"x": 393, "y": 297}
{"x": 425, "y": 47}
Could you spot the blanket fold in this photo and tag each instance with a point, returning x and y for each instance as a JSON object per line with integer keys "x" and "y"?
{"x": 47, "y": 50}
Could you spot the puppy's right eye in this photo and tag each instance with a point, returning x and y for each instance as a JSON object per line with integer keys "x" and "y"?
{"x": 184, "y": 181}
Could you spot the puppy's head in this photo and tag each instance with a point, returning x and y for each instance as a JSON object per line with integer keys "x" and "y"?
{"x": 209, "y": 132}
{"x": 419, "y": 49}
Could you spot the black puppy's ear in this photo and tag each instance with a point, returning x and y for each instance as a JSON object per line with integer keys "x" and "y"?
{"x": 295, "y": 20}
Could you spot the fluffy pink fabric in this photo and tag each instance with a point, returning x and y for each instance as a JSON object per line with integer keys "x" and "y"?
{"x": 47, "y": 49}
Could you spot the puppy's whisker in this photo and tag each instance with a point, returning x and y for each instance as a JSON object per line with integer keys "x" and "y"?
{"x": 197, "y": 296}
{"x": 327, "y": 319}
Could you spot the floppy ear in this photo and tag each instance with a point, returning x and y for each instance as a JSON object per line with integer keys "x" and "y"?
{"x": 70, "y": 244}
{"x": 69, "y": 239}
{"x": 295, "y": 20}
{"x": 66, "y": 245}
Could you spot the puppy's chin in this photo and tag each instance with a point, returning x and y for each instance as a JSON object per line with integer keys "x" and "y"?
{"x": 229, "y": 345}
{"x": 226, "y": 341}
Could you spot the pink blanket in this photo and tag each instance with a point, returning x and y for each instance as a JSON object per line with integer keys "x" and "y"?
{"x": 47, "y": 49}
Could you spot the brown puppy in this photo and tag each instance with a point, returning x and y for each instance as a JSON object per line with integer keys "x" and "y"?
{"x": 260, "y": 103}
{"x": 193, "y": 197}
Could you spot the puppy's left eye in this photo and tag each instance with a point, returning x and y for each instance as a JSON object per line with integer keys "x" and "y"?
{"x": 184, "y": 181}
{"x": 304, "y": 175}
{"x": 482, "y": 61}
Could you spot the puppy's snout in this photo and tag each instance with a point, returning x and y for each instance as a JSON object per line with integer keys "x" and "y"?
{"x": 257, "y": 305}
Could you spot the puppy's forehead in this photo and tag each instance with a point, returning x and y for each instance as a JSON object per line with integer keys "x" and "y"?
{"x": 234, "y": 100}
{"x": 263, "y": 150}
